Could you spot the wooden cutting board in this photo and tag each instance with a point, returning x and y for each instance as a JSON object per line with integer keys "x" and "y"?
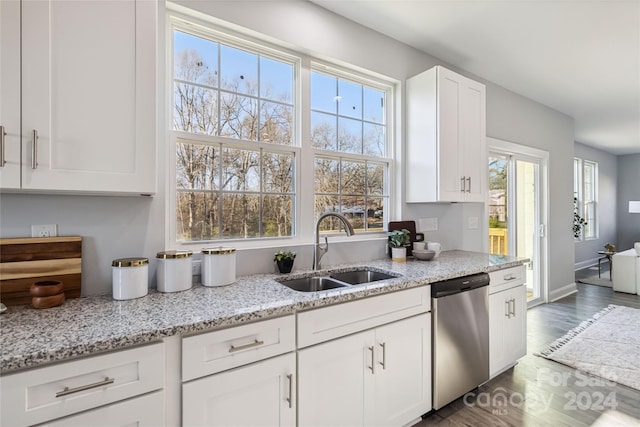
{"x": 26, "y": 260}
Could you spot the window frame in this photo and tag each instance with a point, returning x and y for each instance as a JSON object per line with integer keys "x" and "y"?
{"x": 579, "y": 187}
{"x": 304, "y": 154}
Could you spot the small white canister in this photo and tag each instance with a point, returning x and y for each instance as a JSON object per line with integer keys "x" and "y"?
{"x": 174, "y": 271}
{"x": 218, "y": 266}
{"x": 130, "y": 278}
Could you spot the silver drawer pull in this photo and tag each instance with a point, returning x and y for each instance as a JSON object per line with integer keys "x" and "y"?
{"x": 2, "y": 135}
{"x": 510, "y": 277}
{"x": 255, "y": 343}
{"x": 68, "y": 390}
{"x": 34, "y": 150}
{"x": 290, "y": 398}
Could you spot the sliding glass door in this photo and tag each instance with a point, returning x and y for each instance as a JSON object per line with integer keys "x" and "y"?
{"x": 516, "y": 211}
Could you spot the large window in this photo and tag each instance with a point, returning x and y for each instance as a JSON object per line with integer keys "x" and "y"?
{"x": 244, "y": 129}
{"x": 585, "y": 188}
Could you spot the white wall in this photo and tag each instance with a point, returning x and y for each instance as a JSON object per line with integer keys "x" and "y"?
{"x": 587, "y": 250}
{"x": 628, "y": 189}
{"x": 119, "y": 226}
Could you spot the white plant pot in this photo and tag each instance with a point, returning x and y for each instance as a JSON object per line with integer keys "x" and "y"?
{"x": 399, "y": 254}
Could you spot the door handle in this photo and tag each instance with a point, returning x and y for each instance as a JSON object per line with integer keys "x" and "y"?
{"x": 34, "y": 150}
{"x": 290, "y": 398}
{"x": 384, "y": 355}
{"x": 68, "y": 390}
{"x": 507, "y": 312}
{"x": 373, "y": 366}
{"x": 512, "y": 307}
{"x": 2, "y": 138}
{"x": 469, "y": 181}
{"x": 462, "y": 184}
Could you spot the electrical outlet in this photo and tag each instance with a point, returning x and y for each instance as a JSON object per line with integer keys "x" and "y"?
{"x": 195, "y": 268}
{"x": 47, "y": 230}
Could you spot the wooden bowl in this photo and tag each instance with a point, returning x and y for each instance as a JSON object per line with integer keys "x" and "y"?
{"x": 47, "y": 302}
{"x": 46, "y": 288}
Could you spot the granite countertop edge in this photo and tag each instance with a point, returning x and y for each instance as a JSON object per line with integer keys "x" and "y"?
{"x": 92, "y": 325}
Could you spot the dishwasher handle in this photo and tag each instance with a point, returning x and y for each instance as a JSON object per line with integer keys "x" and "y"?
{"x": 458, "y": 285}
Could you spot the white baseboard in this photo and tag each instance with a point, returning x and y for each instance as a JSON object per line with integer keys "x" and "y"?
{"x": 588, "y": 263}
{"x": 564, "y": 291}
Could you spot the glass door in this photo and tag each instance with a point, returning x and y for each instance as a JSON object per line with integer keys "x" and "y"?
{"x": 515, "y": 212}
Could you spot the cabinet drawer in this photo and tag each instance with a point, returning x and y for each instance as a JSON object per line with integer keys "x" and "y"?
{"x": 335, "y": 321}
{"x": 507, "y": 278}
{"x": 227, "y": 348}
{"x": 51, "y": 392}
{"x": 143, "y": 411}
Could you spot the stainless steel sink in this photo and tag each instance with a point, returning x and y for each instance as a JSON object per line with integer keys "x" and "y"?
{"x": 359, "y": 277}
{"x": 313, "y": 284}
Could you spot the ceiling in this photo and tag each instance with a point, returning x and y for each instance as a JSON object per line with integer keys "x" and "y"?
{"x": 580, "y": 57}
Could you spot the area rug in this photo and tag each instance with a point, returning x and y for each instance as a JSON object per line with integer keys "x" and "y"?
{"x": 607, "y": 345}
{"x": 595, "y": 280}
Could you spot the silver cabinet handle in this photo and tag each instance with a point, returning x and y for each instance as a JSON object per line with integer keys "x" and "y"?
{"x": 253, "y": 344}
{"x": 2, "y": 135}
{"x": 510, "y": 277}
{"x": 290, "y": 398}
{"x": 373, "y": 366}
{"x": 513, "y": 304}
{"x": 469, "y": 181}
{"x": 34, "y": 150}
{"x": 68, "y": 390}
{"x": 384, "y": 355}
{"x": 462, "y": 184}
{"x": 507, "y": 312}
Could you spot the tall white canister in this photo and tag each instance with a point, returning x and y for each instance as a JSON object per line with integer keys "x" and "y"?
{"x": 130, "y": 278}
{"x": 218, "y": 266}
{"x": 174, "y": 271}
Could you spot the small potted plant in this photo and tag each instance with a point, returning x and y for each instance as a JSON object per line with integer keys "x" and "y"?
{"x": 284, "y": 260}
{"x": 398, "y": 242}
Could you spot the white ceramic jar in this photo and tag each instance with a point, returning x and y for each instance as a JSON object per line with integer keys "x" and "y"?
{"x": 174, "y": 271}
{"x": 130, "y": 278}
{"x": 218, "y": 266}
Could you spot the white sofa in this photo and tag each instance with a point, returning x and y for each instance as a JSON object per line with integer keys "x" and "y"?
{"x": 626, "y": 271}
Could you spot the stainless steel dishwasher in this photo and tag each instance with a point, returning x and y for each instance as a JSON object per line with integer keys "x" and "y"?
{"x": 460, "y": 310}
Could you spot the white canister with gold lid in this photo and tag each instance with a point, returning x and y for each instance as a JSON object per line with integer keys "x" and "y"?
{"x": 130, "y": 278}
{"x": 218, "y": 266}
{"x": 174, "y": 271}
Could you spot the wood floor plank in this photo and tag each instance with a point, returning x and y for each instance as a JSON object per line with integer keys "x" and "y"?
{"x": 554, "y": 394}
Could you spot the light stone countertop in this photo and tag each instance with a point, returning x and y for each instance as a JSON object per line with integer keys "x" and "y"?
{"x": 83, "y": 326}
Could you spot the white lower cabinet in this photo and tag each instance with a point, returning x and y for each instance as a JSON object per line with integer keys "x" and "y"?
{"x": 262, "y": 393}
{"x": 144, "y": 411}
{"x": 51, "y": 392}
{"x": 508, "y": 326}
{"x": 380, "y": 376}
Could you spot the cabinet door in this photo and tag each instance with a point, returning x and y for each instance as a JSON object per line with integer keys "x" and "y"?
{"x": 472, "y": 148}
{"x": 507, "y": 333}
{"x": 88, "y": 91}
{"x": 145, "y": 411}
{"x": 403, "y": 372}
{"x": 260, "y": 394}
{"x": 516, "y": 327}
{"x": 335, "y": 379}
{"x": 10, "y": 93}
{"x": 450, "y": 176}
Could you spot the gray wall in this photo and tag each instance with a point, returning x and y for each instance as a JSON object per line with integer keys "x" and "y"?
{"x": 119, "y": 226}
{"x": 628, "y": 189}
{"x": 587, "y": 250}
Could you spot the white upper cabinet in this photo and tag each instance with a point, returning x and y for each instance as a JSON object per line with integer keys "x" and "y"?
{"x": 88, "y": 87}
{"x": 446, "y": 129}
{"x": 10, "y": 94}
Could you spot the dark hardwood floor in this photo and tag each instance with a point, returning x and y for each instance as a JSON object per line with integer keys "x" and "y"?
{"x": 540, "y": 392}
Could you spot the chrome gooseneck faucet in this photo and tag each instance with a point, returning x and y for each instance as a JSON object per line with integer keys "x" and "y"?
{"x": 319, "y": 250}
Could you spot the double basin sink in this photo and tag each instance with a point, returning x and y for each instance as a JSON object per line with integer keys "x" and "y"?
{"x": 336, "y": 280}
